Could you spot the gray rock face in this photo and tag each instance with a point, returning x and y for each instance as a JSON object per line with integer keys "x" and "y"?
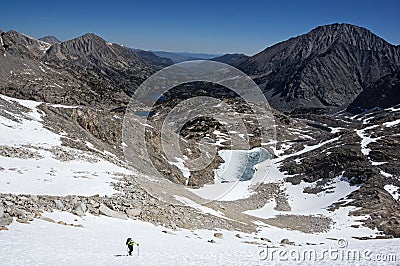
{"x": 1, "y": 211}
{"x": 327, "y": 67}
{"x": 108, "y": 212}
{"x": 383, "y": 93}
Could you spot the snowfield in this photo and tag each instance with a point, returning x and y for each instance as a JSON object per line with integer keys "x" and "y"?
{"x": 307, "y": 203}
{"x": 101, "y": 241}
{"x": 85, "y": 174}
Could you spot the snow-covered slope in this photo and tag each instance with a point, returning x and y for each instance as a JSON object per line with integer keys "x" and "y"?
{"x": 101, "y": 241}
{"x": 34, "y": 161}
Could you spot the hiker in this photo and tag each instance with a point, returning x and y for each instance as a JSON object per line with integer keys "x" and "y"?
{"x": 130, "y": 244}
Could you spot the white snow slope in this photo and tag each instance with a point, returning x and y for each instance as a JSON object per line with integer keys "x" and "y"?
{"x": 86, "y": 174}
{"x": 102, "y": 239}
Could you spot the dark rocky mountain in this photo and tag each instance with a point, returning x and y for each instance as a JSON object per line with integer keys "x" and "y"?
{"x": 327, "y": 67}
{"x": 152, "y": 59}
{"x": 383, "y": 93}
{"x": 231, "y": 59}
{"x": 50, "y": 39}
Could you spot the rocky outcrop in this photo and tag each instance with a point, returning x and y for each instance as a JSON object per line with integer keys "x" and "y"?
{"x": 134, "y": 203}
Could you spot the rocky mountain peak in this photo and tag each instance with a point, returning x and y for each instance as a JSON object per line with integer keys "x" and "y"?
{"x": 22, "y": 45}
{"x": 353, "y": 35}
{"x": 326, "y": 67}
{"x": 88, "y": 44}
{"x": 50, "y": 39}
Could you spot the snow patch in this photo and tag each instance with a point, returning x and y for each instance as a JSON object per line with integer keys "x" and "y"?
{"x": 201, "y": 208}
{"x": 392, "y": 123}
{"x": 180, "y": 163}
{"x": 365, "y": 140}
{"x": 393, "y": 190}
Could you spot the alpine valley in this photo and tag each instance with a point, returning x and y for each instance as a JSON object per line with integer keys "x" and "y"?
{"x": 333, "y": 174}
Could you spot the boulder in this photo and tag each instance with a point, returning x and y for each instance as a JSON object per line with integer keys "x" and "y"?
{"x": 286, "y": 242}
{"x": 8, "y": 203}
{"x": 133, "y": 213}
{"x": 5, "y": 220}
{"x": 34, "y": 198}
{"x": 1, "y": 211}
{"x": 83, "y": 207}
{"x": 48, "y": 220}
{"x": 59, "y": 204}
{"x": 36, "y": 213}
{"x": 110, "y": 213}
{"x": 74, "y": 201}
{"x": 22, "y": 221}
{"x": 219, "y": 235}
{"x": 78, "y": 211}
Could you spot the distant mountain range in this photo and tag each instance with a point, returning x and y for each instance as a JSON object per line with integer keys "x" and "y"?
{"x": 326, "y": 68}
{"x": 178, "y": 57}
{"x": 153, "y": 59}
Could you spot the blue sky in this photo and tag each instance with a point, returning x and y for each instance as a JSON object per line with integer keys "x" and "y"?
{"x": 196, "y": 26}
